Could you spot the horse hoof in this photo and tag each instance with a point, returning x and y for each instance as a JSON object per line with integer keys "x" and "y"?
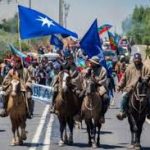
{"x": 70, "y": 142}
{"x": 130, "y": 147}
{"x": 94, "y": 145}
{"x": 12, "y": 143}
{"x": 90, "y": 144}
{"x": 61, "y": 143}
{"x": 21, "y": 142}
{"x": 137, "y": 147}
{"x": 98, "y": 144}
{"x": 24, "y": 137}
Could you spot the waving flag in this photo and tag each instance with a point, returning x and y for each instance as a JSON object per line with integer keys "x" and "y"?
{"x": 17, "y": 52}
{"x": 56, "y": 41}
{"x": 90, "y": 43}
{"x": 112, "y": 41}
{"x": 35, "y": 24}
{"x": 117, "y": 38}
{"x": 104, "y": 28}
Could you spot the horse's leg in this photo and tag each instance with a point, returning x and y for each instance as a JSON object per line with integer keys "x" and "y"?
{"x": 62, "y": 127}
{"x": 65, "y": 136}
{"x": 23, "y": 132}
{"x": 94, "y": 134}
{"x": 71, "y": 125}
{"x": 98, "y": 134}
{"x": 138, "y": 135}
{"x": 18, "y": 139}
{"x": 14, "y": 137}
{"x": 132, "y": 132}
{"x": 89, "y": 132}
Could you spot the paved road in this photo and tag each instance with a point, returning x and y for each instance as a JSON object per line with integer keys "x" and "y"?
{"x": 43, "y": 132}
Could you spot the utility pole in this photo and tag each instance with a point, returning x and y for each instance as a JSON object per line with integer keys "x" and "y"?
{"x": 61, "y": 12}
{"x": 29, "y": 3}
{"x": 66, "y": 8}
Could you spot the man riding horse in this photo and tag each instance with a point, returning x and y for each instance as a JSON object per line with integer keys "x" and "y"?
{"x": 69, "y": 66}
{"x": 99, "y": 75}
{"x": 25, "y": 80}
{"x": 129, "y": 80}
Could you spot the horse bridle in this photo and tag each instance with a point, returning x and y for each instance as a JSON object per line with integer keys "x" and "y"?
{"x": 139, "y": 96}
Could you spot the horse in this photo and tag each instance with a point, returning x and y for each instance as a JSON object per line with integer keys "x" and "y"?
{"x": 67, "y": 105}
{"x": 91, "y": 111}
{"x": 137, "y": 110}
{"x": 16, "y": 109}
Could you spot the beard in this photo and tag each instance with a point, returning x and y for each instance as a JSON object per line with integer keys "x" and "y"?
{"x": 138, "y": 65}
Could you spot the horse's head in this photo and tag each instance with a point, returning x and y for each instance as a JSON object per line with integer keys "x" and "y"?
{"x": 64, "y": 80}
{"x": 142, "y": 87}
{"x": 91, "y": 86}
{"x": 15, "y": 84}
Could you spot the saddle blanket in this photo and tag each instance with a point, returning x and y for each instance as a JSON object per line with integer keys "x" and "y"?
{"x": 42, "y": 93}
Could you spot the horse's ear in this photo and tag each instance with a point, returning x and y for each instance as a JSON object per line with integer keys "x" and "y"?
{"x": 140, "y": 79}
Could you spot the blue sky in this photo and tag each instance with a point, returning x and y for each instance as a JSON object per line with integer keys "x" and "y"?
{"x": 82, "y": 12}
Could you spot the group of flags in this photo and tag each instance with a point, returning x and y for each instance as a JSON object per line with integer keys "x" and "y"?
{"x": 36, "y": 24}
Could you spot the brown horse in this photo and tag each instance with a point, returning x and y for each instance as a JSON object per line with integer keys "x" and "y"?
{"x": 17, "y": 111}
{"x": 67, "y": 106}
{"x": 137, "y": 110}
{"x": 91, "y": 112}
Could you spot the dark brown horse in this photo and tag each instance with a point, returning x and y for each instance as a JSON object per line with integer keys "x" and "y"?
{"x": 91, "y": 112}
{"x": 137, "y": 111}
{"x": 67, "y": 106}
{"x": 17, "y": 111}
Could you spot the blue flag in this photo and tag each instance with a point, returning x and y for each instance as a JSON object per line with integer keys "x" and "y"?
{"x": 56, "y": 41}
{"x": 35, "y": 24}
{"x": 17, "y": 52}
{"x": 90, "y": 43}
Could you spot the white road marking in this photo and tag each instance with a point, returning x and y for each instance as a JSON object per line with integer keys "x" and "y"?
{"x": 47, "y": 140}
{"x": 40, "y": 127}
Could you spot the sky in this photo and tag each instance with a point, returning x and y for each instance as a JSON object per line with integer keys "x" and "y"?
{"x": 82, "y": 12}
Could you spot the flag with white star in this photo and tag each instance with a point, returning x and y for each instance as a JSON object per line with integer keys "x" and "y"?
{"x": 35, "y": 24}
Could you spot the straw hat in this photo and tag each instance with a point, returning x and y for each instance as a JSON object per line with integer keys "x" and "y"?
{"x": 94, "y": 60}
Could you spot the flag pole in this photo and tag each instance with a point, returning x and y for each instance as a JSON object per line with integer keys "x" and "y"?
{"x": 19, "y": 39}
{"x": 20, "y": 47}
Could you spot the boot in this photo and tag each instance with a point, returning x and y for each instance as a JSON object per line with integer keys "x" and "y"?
{"x": 30, "y": 109}
{"x": 105, "y": 105}
{"x": 28, "y": 105}
{"x": 121, "y": 115}
{"x": 4, "y": 110}
{"x": 52, "y": 109}
{"x": 124, "y": 104}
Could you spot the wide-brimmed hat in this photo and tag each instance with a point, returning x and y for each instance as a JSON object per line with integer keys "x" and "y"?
{"x": 94, "y": 60}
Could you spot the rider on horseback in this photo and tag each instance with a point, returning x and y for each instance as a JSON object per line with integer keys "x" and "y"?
{"x": 128, "y": 81}
{"x": 25, "y": 80}
{"x": 99, "y": 75}
{"x": 70, "y": 66}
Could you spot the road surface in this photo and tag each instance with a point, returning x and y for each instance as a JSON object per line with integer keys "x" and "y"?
{"x": 43, "y": 132}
